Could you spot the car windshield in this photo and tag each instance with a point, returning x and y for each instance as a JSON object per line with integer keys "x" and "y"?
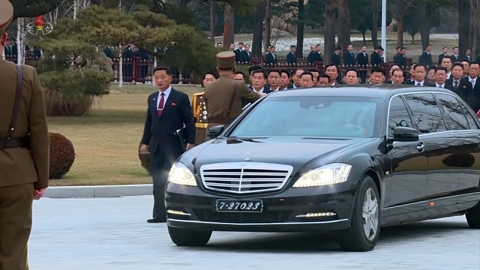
{"x": 310, "y": 116}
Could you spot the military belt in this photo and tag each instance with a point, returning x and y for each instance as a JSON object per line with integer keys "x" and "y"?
{"x": 220, "y": 120}
{"x": 15, "y": 143}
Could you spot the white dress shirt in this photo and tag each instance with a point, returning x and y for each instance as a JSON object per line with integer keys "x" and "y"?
{"x": 258, "y": 91}
{"x": 440, "y": 85}
{"x": 473, "y": 81}
{"x": 417, "y": 83}
{"x": 167, "y": 93}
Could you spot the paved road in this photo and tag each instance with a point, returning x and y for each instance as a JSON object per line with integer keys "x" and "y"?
{"x": 111, "y": 234}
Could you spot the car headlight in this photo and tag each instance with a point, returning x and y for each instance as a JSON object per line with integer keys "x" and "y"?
{"x": 323, "y": 176}
{"x": 181, "y": 175}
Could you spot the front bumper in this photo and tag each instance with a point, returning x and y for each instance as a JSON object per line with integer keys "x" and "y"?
{"x": 292, "y": 210}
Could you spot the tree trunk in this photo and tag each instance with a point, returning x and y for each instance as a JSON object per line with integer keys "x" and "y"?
{"x": 300, "y": 29}
{"x": 212, "y": 22}
{"x": 475, "y": 28}
{"x": 426, "y": 26}
{"x": 464, "y": 8}
{"x": 375, "y": 11}
{"x": 258, "y": 30}
{"x": 329, "y": 31}
{"x": 343, "y": 24}
{"x": 400, "y": 16}
{"x": 228, "y": 26}
{"x": 268, "y": 24}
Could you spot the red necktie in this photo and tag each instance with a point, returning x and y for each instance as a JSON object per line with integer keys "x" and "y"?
{"x": 160, "y": 104}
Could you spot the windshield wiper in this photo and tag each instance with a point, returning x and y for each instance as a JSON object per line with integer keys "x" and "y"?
{"x": 246, "y": 139}
{"x": 323, "y": 138}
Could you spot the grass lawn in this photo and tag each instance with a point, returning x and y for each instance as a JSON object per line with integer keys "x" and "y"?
{"x": 106, "y": 140}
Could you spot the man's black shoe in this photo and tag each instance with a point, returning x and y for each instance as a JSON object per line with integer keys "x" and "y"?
{"x": 156, "y": 220}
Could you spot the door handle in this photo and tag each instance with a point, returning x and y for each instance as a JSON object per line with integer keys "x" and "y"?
{"x": 420, "y": 147}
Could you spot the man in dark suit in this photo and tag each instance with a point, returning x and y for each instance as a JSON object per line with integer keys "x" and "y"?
{"x": 420, "y": 72}
{"x": 443, "y": 55}
{"x": 459, "y": 82}
{"x": 336, "y": 58}
{"x": 246, "y": 54}
{"x": 127, "y": 56}
{"x": 259, "y": 81}
{"x": 441, "y": 78}
{"x": 168, "y": 111}
{"x": 362, "y": 61}
{"x": 426, "y": 57}
{"x": 143, "y": 64}
{"x": 271, "y": 57}
{"x": 400, "y": 58}
{"x": 315, "y": 55}
{"x": 291, "y": 58}
{"x": 108, "y": 52}
{"x": 239, "y": 53}
{"x": 473, "y": 98}
{"x": 285, "y": 80}
{"x": 468, "y": 55}
{"x": 376, "y": 56}
{"x": 349, "y": 57}
{"x": 7, "y": 49}
{"x": 455, "y": 56}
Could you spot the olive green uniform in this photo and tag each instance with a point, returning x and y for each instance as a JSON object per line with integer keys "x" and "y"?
{"x": 24, "y": 157}
{"x": 224, "y": 97}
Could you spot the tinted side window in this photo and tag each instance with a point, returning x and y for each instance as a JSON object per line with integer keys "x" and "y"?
{"x": 425, "y": 113}
{"x": 468, "y": 115}
{"x": 397, "y": 116}
{"x": 454, "y": 115}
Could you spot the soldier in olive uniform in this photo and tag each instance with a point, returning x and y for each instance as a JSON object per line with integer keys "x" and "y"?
{"x": 224, "y": 97}
{"x": 24, "y": 152}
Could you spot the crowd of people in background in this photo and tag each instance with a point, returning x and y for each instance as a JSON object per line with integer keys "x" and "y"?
{"x": 452, "y": 72}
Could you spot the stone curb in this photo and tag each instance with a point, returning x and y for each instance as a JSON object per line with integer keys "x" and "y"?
{"x": 98, "y": 191}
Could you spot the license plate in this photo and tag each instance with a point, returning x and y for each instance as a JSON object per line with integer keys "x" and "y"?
{"x": 244, "y": 206}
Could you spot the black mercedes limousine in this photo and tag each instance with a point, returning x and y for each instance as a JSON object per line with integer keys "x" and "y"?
{"x": 350, "y": 159}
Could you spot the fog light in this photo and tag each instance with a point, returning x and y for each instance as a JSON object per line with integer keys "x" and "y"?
{"x": 317, "y": 215}
{"x": 178, "y": 213}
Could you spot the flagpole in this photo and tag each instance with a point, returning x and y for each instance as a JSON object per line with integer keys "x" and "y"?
{"x": 384, "y": 29}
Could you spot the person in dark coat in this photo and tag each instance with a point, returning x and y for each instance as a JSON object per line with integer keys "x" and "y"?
{"x": 127, "y": 55}
{"x": 168, "y": 110}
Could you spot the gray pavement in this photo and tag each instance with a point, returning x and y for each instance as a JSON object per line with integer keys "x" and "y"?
{"x": 112, "y": 234}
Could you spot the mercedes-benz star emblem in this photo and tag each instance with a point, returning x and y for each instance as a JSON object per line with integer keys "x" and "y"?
{"x": 248, "y": 154}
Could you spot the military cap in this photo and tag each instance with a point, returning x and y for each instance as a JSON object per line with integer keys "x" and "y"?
{"x": 6, "y": 13}
{"x": 224, "y": 59}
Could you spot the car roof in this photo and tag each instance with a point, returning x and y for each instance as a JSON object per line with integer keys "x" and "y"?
{"x": 378, "y": 91}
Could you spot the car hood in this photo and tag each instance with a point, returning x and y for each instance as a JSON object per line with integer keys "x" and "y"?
{"x": 296, "y": 153}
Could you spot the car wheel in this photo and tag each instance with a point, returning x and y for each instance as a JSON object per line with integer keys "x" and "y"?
{"x": 473, "y": 217}
{"x": 365, "y": 225}
{"x": 189, "y": 238}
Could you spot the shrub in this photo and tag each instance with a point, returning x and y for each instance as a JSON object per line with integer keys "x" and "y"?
{"x": 71, "y": 71}
{"x": 145, "y": 161}
{"x": 62, "y": 155}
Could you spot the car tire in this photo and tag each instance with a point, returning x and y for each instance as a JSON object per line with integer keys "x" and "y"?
{"x": 189, "y": 238}
{"x": 355, "y": 238}
{"x": 473, "y": 217}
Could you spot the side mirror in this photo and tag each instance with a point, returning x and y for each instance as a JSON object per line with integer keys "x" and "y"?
{"x": 405, "y": 134}
{"x": 215, "y": 131}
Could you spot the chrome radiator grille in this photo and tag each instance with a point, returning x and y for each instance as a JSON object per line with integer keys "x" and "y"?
{"x": 245, "y": 177}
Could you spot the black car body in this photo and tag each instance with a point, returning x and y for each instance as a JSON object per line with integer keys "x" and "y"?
{"x": 343, "y": 158}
